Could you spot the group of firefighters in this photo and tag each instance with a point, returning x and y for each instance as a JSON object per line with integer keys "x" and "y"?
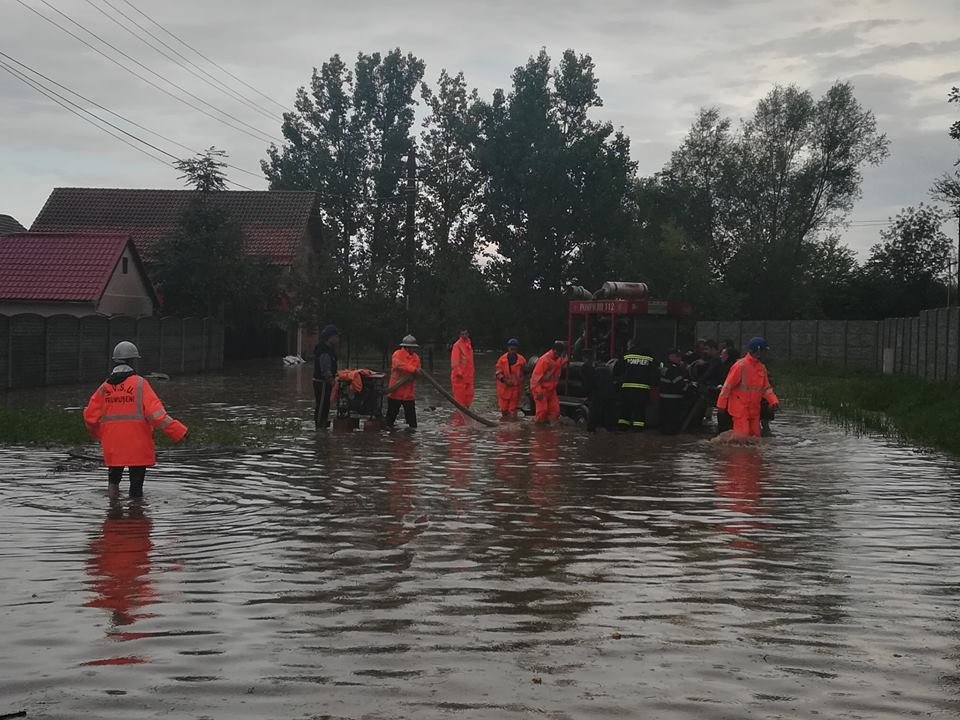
{"x": 618, "y": 392}
{"x": 124, "y": 411}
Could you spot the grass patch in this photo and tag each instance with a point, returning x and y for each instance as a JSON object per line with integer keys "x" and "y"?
{"x": 923, "y": 412}
{"x": 51, "y": 428}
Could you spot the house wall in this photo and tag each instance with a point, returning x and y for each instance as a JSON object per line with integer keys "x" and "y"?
{"x": 126, "y": 294}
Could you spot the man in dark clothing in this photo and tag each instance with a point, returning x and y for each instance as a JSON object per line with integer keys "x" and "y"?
{"x": 638, "y": 372}
{"x": 324, "y": 374}
{"x": 673, "y": 394}
{"x": 728, "y": 356}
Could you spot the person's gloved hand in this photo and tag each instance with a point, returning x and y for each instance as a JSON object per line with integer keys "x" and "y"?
{"x": 775, "y": 407}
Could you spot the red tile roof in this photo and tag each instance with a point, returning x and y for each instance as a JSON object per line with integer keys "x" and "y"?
{"x": 58, "y": 267}
{"x": 274, "y": 221}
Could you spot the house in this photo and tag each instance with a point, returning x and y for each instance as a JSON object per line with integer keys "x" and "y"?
{"x": 73, "y": 274}
{"x": 279, "y": 224}
{"x": 9, "y": 225}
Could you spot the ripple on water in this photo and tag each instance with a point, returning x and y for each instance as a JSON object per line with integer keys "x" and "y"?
{"x": 507, "y": 572}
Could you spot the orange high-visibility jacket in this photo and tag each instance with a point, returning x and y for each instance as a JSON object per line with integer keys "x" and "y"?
{"x": 123, "y": 417}
{"x": 546, "y": 373}
{"x": 403, "y": 363}
{"x": 747, "y": 383}
{"x": 509, "y": 378}
{"x": 461, "y": 362}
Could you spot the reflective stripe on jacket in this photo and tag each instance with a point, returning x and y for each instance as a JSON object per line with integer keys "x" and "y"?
{"x": 746, "y": 385}
{"x": 403, "y": 364}
{"x": 639, "y": 371}
{"x": 123, "y": 417}
{"x": 461, "y": 362}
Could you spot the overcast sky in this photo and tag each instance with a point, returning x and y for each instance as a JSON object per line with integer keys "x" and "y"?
{"x": 657, "y": 61}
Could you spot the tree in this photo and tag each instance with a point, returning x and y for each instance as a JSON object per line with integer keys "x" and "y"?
{"x": 348, "y": 137}
{"x": 764, "y": 194}
{"x": 205, "y": 172}
{"x": 946, "y": 189}
{"x": 907, "y": 268}
{"x": 202, "y": 268}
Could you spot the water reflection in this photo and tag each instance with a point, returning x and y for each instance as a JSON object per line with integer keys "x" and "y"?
{"x": 119, "y": 569}
{"x": 738, "y": 494}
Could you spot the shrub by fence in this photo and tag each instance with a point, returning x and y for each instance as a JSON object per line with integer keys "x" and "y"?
{"x": 927, "y": 346}
{"x": 64, "y": 349}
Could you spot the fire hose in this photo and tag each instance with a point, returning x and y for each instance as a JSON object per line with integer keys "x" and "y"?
{"x": 443, "y": 391}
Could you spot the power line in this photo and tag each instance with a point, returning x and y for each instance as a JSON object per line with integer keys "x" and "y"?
{"x": 262, "y": 137}
{"x": 212, "y": 62}
{"x": 155, "y": 73}
{"x": 24, "y": 79}
{"x": 115, "y": 114}
{"x": 209, "y": 79}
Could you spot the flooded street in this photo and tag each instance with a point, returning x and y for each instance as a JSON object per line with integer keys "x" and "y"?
{"x": 461, "y": 571}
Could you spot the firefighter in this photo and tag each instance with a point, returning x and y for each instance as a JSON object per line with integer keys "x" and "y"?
{"x": 324, "y": 374}
{"x": 509, "y": 375}
{"x": 122, "y": 414}
{"x": 746, "y": 385}
{"x": 637, "y": 371}
{"x": 673, "y": 387}
{"x": 404, "y": 365}
{"x": 461, "y": 369}
{"x": 543, "y": 382}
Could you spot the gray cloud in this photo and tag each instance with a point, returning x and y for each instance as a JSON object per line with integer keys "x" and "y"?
{"x": 657, "y": 63}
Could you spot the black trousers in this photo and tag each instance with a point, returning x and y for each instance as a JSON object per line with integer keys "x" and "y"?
{"x": 633, "y": 408}
{"x": 673, "y": 411}
{"x": 321, "y": 409}
{"x": 724, "y": 421}
{"x": 137, "y": 475}
{"x": 409, "y": 411}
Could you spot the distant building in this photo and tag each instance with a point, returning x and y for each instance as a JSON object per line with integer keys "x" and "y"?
{"x": 279, "y": 224}
{"x": 9, "y": 225}
{"x": 73, "y": 274}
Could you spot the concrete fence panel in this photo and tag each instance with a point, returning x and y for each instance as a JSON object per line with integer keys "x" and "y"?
{"x": 4, "y": 352}
{"x": 777, "y": 334}
{"x": 193, "y": 346}
{"x": 707, "y": 329}
{"x": 831, "y": 342}
{"x": 148, "y": 340}
{"x": 28, "y": 346}
{"x": 171, "y": 345}
{"x": 728, "y": 331}
{"x": 803, "y": 340}
{"x": 63, "y": 350}
{"x": 94, "y": 348}
{"x": 953, "y": 342}
{"x": 862, "y": 349}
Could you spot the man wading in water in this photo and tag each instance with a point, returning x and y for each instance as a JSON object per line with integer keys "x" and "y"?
{"x": 122, "y": 414}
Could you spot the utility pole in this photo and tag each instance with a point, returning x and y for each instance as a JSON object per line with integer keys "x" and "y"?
{"x": 410, "y": 230}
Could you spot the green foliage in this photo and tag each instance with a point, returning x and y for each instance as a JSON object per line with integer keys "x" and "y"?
{"x": 922, "y": 412}
{"x": 205, "y": 172}
{"x": 907, "y": 268}
{"x": 202, "y": 269}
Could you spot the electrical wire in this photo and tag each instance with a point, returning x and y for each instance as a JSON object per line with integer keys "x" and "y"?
{"x": 24, "y": 79}
{"x": 212, "y": 62}
{"x": 93, "y": 119}
{"x": 265, "y": 137}
{"x": 116, "y": 114}
{"x": 210, "y": 80}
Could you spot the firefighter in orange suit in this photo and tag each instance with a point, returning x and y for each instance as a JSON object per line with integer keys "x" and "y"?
{"x": 543, "y": 382}
{"x": 461, "y": 369}
{"x": 405, "y": 363}
{"x": 746, "y": 385}
{"x": 509, "y": 374}
{"x": 122, "y": 414}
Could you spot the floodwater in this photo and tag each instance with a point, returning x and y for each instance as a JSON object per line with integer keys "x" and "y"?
{"x": 467, "y": 572}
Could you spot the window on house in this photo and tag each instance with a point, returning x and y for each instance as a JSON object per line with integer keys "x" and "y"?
{"x": 125, "y": 266}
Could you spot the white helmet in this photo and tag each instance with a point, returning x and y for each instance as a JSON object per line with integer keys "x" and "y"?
{"x": 125, "y": 350}
{"x": 409, "y": 342}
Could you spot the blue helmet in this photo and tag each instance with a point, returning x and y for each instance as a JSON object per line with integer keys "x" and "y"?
{"x": 757, "y": 343}
{"x": 513, "y": 342}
